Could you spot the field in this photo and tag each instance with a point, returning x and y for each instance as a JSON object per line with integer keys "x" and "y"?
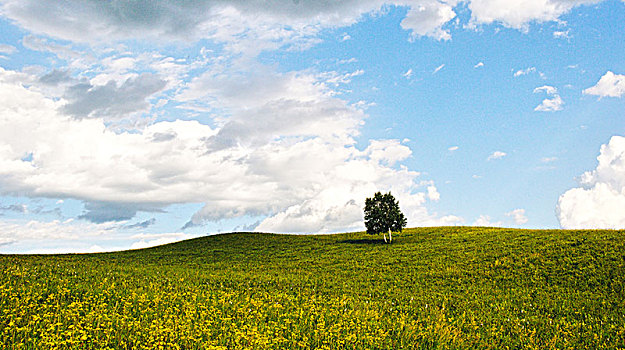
{"x": 433, "y": 288}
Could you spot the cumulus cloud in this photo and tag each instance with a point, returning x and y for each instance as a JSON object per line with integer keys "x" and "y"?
{"x": 610, "y": 85}
{"x": 433, "y": 193}
{"x": 549, "y": 90}
{"x": 313, "y": 180}
{"x": 56, "y": 77}
{"x": 387, "y": 152}
{"x": 252, "y": 26}
{"x": 486, "y": 221}
{"x": 599, "y": 200}
{"x": 13, "y": 231}
{"x": 110, "y": 100}
{"x": 75, "y": 236}
{"x": 552, "y": 104}
{"x": 518, "y": 215}
{"x": 344, "y": 177}
{"x": 496, "y": 155}
{"x": 520, "y": 13}
{"x": 273, "y": 25}
{"x": 426, "y": 18}
{"x": 257, "y": 105}
{"x": 275, "y": 144}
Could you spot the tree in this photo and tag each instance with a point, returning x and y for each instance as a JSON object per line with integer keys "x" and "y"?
{"x": 382, "y": 215}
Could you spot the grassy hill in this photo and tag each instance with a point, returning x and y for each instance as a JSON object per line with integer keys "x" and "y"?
{"x": 433, "y": 288}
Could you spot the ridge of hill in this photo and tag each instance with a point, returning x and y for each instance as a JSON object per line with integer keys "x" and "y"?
{"x": 432, "y": 288}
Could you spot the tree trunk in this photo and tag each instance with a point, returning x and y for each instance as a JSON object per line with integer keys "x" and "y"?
{"x": 384, "y": 235}
{"x": 390, "y": 236}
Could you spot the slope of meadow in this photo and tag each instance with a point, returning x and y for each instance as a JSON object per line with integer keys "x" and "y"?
{"x": 433, "y": 288}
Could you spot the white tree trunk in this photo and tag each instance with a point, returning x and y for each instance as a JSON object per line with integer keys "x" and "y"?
{"x": 390, "y": 236}
{"x": 384, "y": 235}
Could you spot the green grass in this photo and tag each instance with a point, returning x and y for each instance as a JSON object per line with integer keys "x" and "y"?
{"x": 433, "y": 288}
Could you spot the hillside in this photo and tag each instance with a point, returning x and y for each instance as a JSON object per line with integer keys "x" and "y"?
{"x": 433, "y": 288}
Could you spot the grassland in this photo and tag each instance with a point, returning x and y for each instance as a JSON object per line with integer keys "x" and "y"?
{"x": 433, "y": 288}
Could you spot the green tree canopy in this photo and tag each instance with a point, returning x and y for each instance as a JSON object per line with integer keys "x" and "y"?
{"x": 382, "y": 215}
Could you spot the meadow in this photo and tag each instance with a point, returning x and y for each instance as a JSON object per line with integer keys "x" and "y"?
{"x": 433, "y": 288}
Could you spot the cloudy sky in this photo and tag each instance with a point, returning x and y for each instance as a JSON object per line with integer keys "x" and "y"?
{"x": 125, "y": 124}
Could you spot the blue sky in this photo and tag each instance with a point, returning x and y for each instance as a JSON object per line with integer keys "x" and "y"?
{"x": 129, "y": 124}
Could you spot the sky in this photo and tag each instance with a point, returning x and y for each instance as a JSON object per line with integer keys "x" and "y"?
{"x": 128, "y": 124}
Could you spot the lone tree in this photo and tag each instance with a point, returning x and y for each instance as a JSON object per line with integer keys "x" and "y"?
{"x": 382, "y": 215}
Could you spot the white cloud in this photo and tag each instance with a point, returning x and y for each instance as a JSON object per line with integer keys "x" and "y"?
{"x": 520, "y": 13}
{"x": 387, "y": 152}
{"x": 438, "y": 68}
{"x": 147, "y": 240}
{"x": 552, "y": 104}
{"x": 75, "y": 248}
{"x": 72, "y": 236}
{"x": 426, "y": 18}
{"x": 251, "y": 26}
{"x": 548, "y": 159}
{"x": 240, "y": 24}
{"x": 335, "y": 79}
{"x": 480, "y": 64}
{"x": 453, "y": 148}
{"x": 610, "y": 85}
{"x": 257, "y": 104}
{"x": 518, "y": 215}
{"x": 285, "y": 137}
{"x": 433, "y": 194}
{"x": 561, "y": 34}
{"x": 485, "y": 221}
{"x": 599, "y": 201}
{"x": 298, "y": 167}
{"x": 13, "y": 231}
{"x": 408, "y": 74}
{"x": 496, "y": 155}
{"x": 525, "y": 71}
{"x": 7, "y": 49}
{"x": 75, "y": 59}
{"x": 549, "y": 90}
